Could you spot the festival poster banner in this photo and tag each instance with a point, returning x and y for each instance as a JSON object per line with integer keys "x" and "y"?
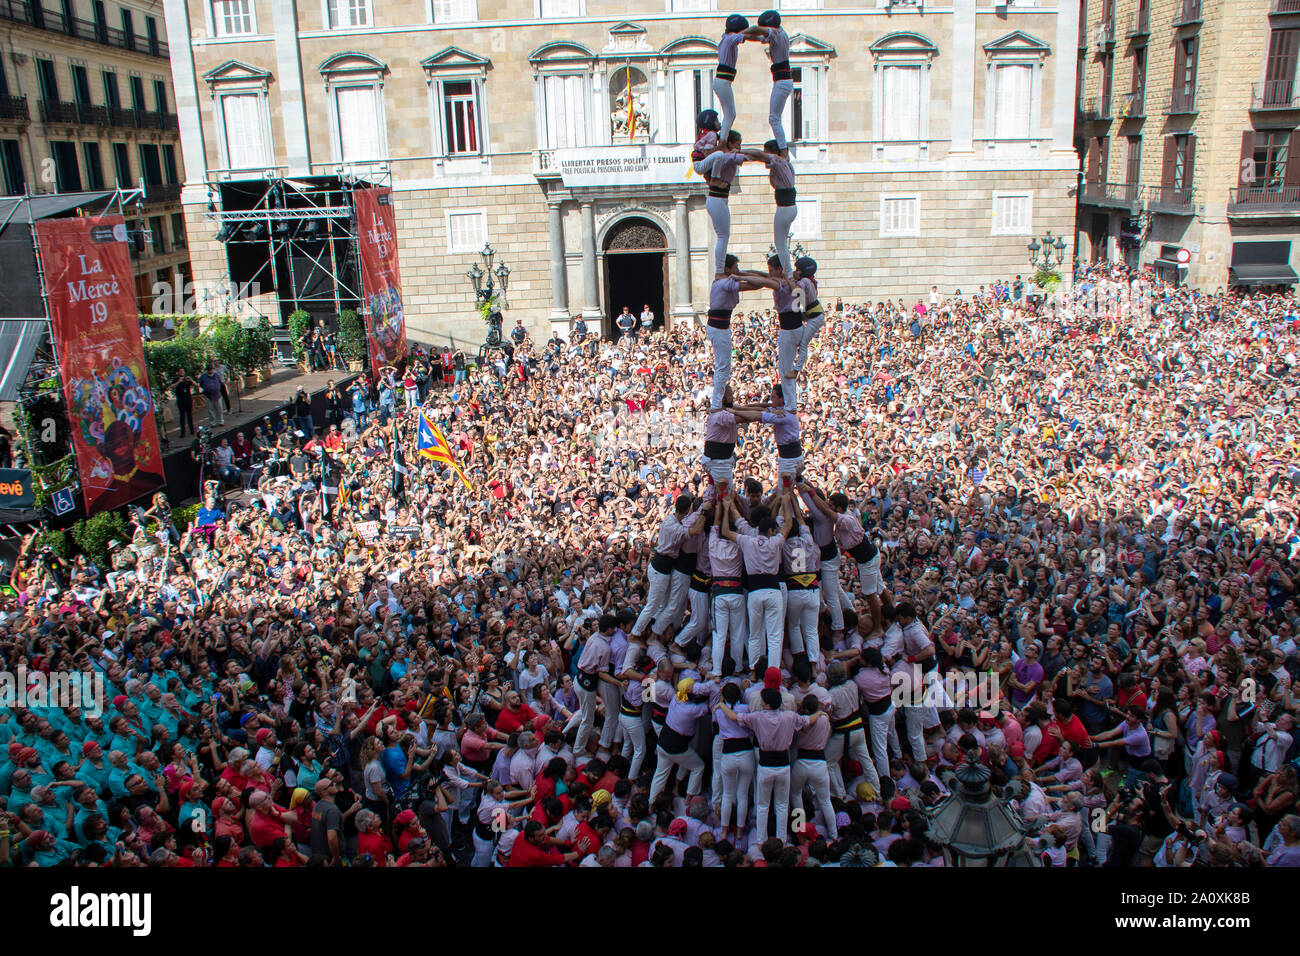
{"x": 95, "y": 324}
{"x": 381, "y": 281}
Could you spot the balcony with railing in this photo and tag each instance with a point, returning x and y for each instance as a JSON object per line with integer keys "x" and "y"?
{"x": 142, "y": 119}
{"x": 17, "y": 11}
{"x": 1182, "y": 101}
{"x": 74, "y": 114}
{"x": 1264, "y": 201}
{"x": 1131, "y": 106}
{"x": 1096, "y": 107}
{"x": 1176, "y": 200}
{"x": 1139, "y": 23}
{"x": 1285, "y": 6}
{"x": 1187, "y": 13}
{"x": 163, "y": 193}
{"x": 14, "y": 108}
{"x": 1112, "y": 195}
{"x": 1275, "y": 95}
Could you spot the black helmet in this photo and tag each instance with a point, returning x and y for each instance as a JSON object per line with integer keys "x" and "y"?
{"x": 708, "y": 119}
{"x": 769, "y": 18}
{"x": 736, "y": 23}
{"x": 806, "y": 265}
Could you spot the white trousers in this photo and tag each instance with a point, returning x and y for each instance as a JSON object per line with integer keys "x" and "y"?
{"x": 633, "y": 741}
{"x": 880, "y": 726}
{"x": 869, "y": 579}
{"x": 812, "y": 324}
{"x": 688, "y": 760}
{"x": 831, "y": 592}
{"x": 720, "y": 213}
{"x": 855, "y": 745}
{"x": 720, "y": 469}
{"x": 766, "y": 625}
{"x": 813, "y": 775}
{"x": 656, "y": 601}
{"x": 726, "y": 96}
{"x": 697, "y": 628}
{"x": 773, "y": 796}
{"x": 915, "y": 719}
{"x": 781, "y": 90}
{"x": 676, "y": 611}
{"x": 787, "y": 350}
{"x": 801, "y": 607}
{"x": 585, "y": 718}
{"x": 720, "y": 339}
{"x": 737, "y": 782}
{"x": 483, "y": 851}
{"x": 609, "y": 695}
{"x": 782, "y": 220}
{"x": 730, "y": 625}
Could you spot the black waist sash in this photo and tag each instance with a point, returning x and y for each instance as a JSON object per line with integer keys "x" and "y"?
{"x": 721, "y": 450}
{"x": 785, "y": 196}
{"x": 830, "y": 551}
{"x": 790, "y": 320}
{"x": 671, "y": 742}
{"x": 663, "y": 563}
{"x": 781, "y": 71}
{"x": 812, "y": 753}
{"x": 726, "y": 586}
{"x": 685, "y": 562}
{"x": 758, "y": 582}
{"x": 720, "y": 318}
{"x": 877, "y": 707}
{"x": 790, "y": 449}
{"x": 737, "y": 745}
{"x": 719, "y": 192}
{"x": 700, "y": 582}
{"x": 725, "y": 72}
{"x": 773, "y": 758}
{"x": 863, "y": 551}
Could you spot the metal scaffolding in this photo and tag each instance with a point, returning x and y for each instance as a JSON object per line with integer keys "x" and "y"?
{"x": 307, "y": 227}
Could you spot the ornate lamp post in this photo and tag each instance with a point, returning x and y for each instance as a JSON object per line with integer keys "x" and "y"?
{"x": 487, "y": 282}
{"x": 977, "y": 829}
{"x": 1048, "y": 254}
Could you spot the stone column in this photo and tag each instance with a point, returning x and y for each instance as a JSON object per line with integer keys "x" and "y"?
{"x": 963, "y": 71}
{"x": 590, "y": 288}
{"x": 559, "y": 281}
{"x": 1062, "y": 96}
{"x": 682, "y": 309}
{"x": 293, "y": 109}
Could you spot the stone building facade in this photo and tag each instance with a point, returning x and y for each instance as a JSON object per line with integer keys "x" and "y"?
{"x": 930, "y": 141}
{"x": 1188, "y": 112}
{"x": 86, "y": 104}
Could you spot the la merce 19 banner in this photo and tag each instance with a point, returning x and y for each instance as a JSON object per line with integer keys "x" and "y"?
{"x": 381, "y": 279}
{"x": 96, "y": 328}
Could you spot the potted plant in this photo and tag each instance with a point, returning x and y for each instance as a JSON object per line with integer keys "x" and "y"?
{"x": 299, "y": 323}
{"x": 352, "y": 339}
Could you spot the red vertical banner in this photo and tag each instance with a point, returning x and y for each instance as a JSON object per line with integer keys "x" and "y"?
{"x": 381, "y": 280}
{"x": 96, "y": 329}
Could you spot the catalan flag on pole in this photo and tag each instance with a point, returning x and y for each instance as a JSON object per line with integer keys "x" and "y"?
{"x": 433, "y": 444}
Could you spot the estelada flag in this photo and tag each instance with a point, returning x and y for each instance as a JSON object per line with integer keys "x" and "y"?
{"x": 432, "y": 444}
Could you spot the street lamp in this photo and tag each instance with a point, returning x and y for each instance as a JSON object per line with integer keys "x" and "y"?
{"x": 975, "y": 828}
{"x": 1049, "y": 254}
{"x": 487, "y": 282}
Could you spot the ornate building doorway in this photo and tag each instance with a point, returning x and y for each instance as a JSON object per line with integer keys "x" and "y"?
{"x": 636, "y": 271}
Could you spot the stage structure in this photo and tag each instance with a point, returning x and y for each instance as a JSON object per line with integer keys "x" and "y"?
{"x": 295, "y": 238}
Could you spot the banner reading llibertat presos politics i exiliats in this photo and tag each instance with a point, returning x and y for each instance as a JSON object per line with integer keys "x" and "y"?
{"x": 381, "y": 280}
{"x": 96, "y": 329}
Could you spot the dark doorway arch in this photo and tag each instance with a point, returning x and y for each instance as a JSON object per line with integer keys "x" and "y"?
{"x": 636, "y": 271}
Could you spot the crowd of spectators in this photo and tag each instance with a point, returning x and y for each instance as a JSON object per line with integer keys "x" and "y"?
{"x": 360, "y": 660}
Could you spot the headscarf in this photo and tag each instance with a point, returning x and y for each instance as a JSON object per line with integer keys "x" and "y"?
{"x": 684, "y": 688}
